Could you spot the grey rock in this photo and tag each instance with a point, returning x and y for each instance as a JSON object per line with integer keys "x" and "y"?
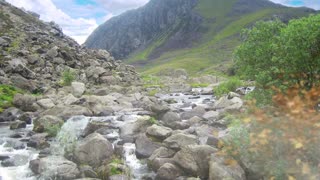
{"x": 178, "y": 141}
{"x": 23, "y": 83}
{"x": 55, "y": 167}
{"x": 18, "y": 125}
{"x": 229, "y": 104}
{"x": 38, "y": 141}
{"x": 159, "y": 157}
{"x": 197, "y": 111}
{"x": 159, "y": 132}
{"x": 145, "y": 146}
{"x": 219, "y": 170}
{"x": 45, "y": 103}
{"x": 47, "y": 123}
{"x": 194, "y": 160}
{"x": 65, "y": 112}
{"x": 93, "y": 150}
{"x": 78, "y": 88}
{"x": 168, "y": 172}
{"x": 24, "y": 102}
{"x": 129, "y": 131}
{"x": 171, "y": 119}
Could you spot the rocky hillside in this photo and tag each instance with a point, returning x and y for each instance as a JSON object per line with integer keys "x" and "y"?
{"x": 34, "y": 55}
{"x": 177, "y": 33}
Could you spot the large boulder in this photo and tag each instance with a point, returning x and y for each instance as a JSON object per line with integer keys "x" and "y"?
{"x": 194, "y": 160}
{"x": 24, "y": 102}
{"x": 159, "y": 157}
{"x": 23, "y": 83}
{"x": 129, "y": 131}
{"x": 145, "y": 146}
{"x": 177, "y": 141}
{"x": 38, "y": 141}
{"x": 45, "y": 103}
{"x": 171, "y": 119}
{"x": 227, "y": 104}
{"x": 49, "y": 124}
{"x": 168, "y": 172}
{"x": 65, "y": 112}
{"x": 93, "y": 150}
{"x": 18, "y": 125}
{"x": 10, "y": 114}
{"x": 78, "y": 88}
{"x": 159, "y": 132}
{"x": 197, "y": 111}
{"x": 54, "y": 167}
{"x": 218, "y": 169}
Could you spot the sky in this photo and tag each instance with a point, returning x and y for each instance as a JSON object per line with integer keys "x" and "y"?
{"x": 79, "y": 18}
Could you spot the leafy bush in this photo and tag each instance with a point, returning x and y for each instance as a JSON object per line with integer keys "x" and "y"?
{"x": 68, "y": 76}
{"x": 280, "y": 55}
{"x": 7, "y": 93}
{"x": 153, "y": 120}
{"x": 152, "y": 92}
{"x": 228, "y": 86}
{"x": 281, "y": 141}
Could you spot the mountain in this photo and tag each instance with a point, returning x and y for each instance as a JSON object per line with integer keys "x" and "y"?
{"x": 197, "y": 35}
{"x": 34, "y": 55}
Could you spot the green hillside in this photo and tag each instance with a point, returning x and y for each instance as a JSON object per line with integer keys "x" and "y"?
{"x": 212, "y": 53}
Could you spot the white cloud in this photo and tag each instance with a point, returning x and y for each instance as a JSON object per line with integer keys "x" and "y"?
{"x": 315, "y": 4}
{"x": 119, "y": 6}
{"x": 77, "y": 28}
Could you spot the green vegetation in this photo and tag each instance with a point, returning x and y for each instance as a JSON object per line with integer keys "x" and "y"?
{"x": 153, "y": 120}
{"x": 281, "y": 56}
{"x": 152, "y": 92}
{"x": 7, "y": 93}
{"x": 68, "y": 76}
{"x": 197, "y": 85}
{"x": 53, "y": 130}
{"x": 228, "y": 86}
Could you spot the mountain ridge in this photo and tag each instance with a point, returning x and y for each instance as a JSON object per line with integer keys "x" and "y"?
{"x": 193, "y": 25}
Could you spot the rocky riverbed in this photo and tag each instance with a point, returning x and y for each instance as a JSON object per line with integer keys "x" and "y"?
{"x": 164, "y": 137}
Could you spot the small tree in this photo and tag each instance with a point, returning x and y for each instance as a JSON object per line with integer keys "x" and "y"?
{"x": 275, "y": 54}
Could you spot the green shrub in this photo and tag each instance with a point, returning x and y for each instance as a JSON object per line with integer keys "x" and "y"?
{"x": 225, "y": 87}
{"x": 152, "y": 92}
{"x": 153, "y": 120}
{"x": 7, "y": 93}
{"x": 53, "y": 130}
{"x": 199, "y": 85}
{"x": 68, "y": 76}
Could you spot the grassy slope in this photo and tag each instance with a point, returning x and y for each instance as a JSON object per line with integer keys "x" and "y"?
{"x": 214, "y": 54}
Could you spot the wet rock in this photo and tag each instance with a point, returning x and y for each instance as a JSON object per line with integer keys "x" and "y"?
{"x": 129, "y": 131}
{"x": 26, "y": 117}
{"x": 218, "y": 169}
{"x": 38, "y": 141}
{"x": 177, "y": 141}
{"x": 93, "y": 150}
{"x": 24, "y": 102}
{"x": 10, "y": 114}
{"x": 15, "y": 136}
{"x": 168, "y": 172}
{"x": 49, "y": 124}
{"x": 92, "y": 127}
{"x": 78, "y": 88}
{"x": 119, "y": 177}
{"x": 18, "y": 125}
{"x": 145, "y": 146}
{"x": 4, "y": 157}
{"x": 194, "y": 160}
{"x": 15, "y": 144}
{"x": 16, "y": 160}
{"x": 54, "y": 167}
{"x": 159, "y": 132}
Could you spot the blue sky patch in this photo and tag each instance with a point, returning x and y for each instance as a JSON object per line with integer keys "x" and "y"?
{"x": 85, "y": 2}
{"x": 297, "y": 3}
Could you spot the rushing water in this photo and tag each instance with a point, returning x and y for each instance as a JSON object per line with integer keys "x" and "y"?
{"x": 71, "y": 133}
